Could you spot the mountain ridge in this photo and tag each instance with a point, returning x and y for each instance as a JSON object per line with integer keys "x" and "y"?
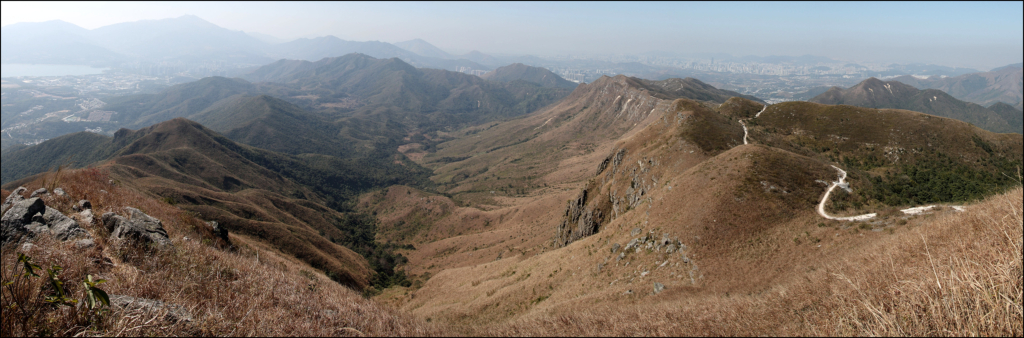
{"x": 875, "y": 93}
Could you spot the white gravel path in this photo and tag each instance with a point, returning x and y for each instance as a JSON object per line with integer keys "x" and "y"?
{"x": 821, "y": 206}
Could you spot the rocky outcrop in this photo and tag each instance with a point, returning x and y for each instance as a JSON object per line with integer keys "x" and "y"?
{"x": 139, "y": 228}
{"x": 578, "y": 222}
{"x": 31, "y": 217}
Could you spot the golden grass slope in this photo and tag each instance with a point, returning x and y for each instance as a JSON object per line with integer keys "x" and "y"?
{"x": 254, "y": 290}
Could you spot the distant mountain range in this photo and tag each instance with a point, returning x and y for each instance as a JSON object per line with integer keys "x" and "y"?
{"x": 1004, "y": 84}
{"x": 194, "y": 40}
{"x": 874, "y": 93}
{"x": 187, "y": 39}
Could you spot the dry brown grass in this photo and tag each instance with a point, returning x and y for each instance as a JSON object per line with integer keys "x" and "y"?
{"x": 958, "y": 275}
{"x": 247, "y": 292}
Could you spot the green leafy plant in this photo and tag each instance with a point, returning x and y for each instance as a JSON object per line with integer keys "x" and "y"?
{"x": 94, "y": 296}
{"x": 23, "y": 298}
{"x": 59, "y": 296}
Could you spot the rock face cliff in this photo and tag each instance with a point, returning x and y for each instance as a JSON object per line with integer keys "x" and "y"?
{"x": 578, "y": 222}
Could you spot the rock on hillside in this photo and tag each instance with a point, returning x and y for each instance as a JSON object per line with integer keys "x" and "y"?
{"x": 31, "y": 217}
{"x": 138, "y": 227}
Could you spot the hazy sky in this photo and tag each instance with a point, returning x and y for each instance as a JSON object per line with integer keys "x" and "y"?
{"x": 980, "y": 35}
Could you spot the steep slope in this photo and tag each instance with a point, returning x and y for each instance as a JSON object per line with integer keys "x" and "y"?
{"x": 72, "y": 150}
{"x": 874, "y": 93}
{"x": 242, "y": 286}
{"x": 519, "y": 71}
{"x": 1004, "y": 84}
{"x": 1012, "y": 115}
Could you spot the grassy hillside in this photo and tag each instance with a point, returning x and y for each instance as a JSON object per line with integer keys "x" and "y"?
{"x": 896, "y": 157}
{"x": 269, "y": 123}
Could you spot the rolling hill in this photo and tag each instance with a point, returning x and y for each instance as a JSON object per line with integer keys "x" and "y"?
{"x": 521, "y": 72}
{"x": 874, "y": 93}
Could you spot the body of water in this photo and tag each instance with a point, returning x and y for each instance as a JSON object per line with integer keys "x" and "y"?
{"x": 18, "y": 69}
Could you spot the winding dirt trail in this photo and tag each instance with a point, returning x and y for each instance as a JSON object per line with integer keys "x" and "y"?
{"x": 743, "y": 122}
{"x": 833, "y": 186}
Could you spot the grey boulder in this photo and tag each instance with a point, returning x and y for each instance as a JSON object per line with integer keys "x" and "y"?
{"x": 139, "y": 227}
{"x": 20, "y": 217}
{"x": 32, "y": 217}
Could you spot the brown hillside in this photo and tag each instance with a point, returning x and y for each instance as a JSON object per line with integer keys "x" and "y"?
{"x": 739, "y": 218}
{"x": 185, "y": 164}
{"x": 253, "y": 289}
{"x": 514, "y": 158}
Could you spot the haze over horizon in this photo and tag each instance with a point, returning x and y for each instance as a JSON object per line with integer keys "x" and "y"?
{"x": 960, "y": 34}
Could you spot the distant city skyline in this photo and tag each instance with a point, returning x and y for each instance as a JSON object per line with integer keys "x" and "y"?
{"x": 979, "y": 35}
